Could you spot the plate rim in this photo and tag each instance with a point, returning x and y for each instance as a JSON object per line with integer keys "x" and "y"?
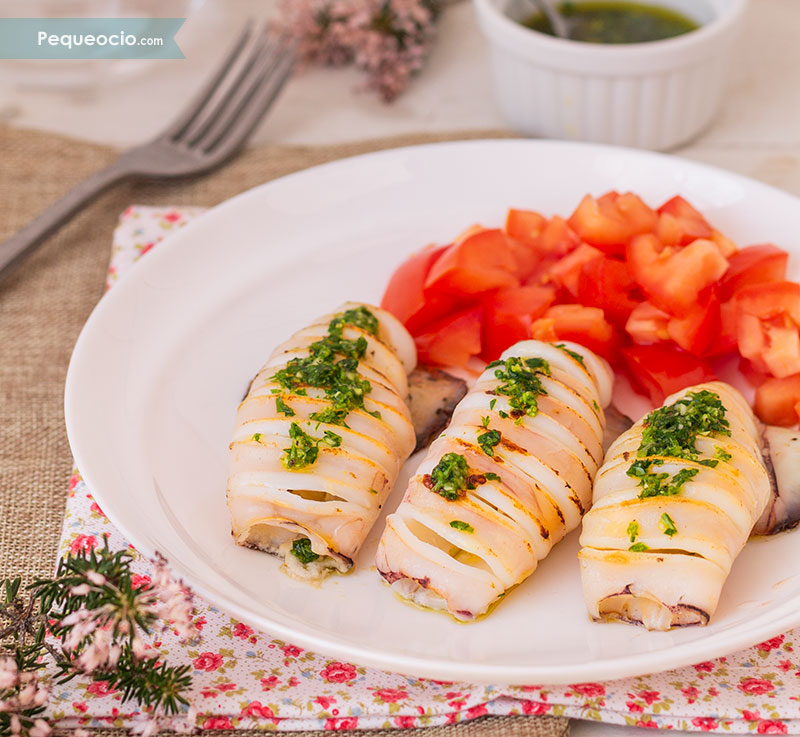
{"x": 680, "y": 655}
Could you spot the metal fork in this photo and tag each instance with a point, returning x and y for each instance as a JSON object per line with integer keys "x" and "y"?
{"x": 211, "y": 129}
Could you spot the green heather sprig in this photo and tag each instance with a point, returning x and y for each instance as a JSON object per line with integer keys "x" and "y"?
{"x": 90, "y": 619}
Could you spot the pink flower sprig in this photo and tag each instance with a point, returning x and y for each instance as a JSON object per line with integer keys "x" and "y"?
{"x": 92, "y": 619}
{"x": 388, "y": 39}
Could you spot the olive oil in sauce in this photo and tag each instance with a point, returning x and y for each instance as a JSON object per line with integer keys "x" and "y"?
{"x": 616, "y": 22}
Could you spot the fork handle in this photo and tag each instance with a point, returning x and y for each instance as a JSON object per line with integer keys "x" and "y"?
{"x": 14, "y": 250}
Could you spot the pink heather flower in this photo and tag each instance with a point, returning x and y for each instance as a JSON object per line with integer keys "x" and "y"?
{"x": 8, "y": 673}
{"x": 15, "y": 725}
{"x": 172, "y": 602}
{"x": 40, "y": 728}
{"x": 98, "y": 579}
{"x": 144, "y": 725}
{"x": 388, "y": 39}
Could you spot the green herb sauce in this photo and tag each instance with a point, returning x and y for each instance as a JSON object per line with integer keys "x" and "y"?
{"x": 616, "y": 22}
{"x": 520, "y": 380}
{"x": 457, "y": 524}
{"x": 344, "y": 388}
{"x": 672, "y": 432}
{"x": 301, "y": 549}
{"x": 304, "y": 449}
{"x": 488, "y": 440}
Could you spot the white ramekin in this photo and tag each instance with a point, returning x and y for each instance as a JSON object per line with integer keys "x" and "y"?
{"x": 651, "y": 95}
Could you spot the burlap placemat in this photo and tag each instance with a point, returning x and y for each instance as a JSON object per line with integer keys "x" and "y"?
{"x": 44, "y": 304}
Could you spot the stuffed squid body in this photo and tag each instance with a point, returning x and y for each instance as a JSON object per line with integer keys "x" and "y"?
{"x": 319, "y": 440}
{"x": 508, "y": 478}
{"x": 674, "y": 504}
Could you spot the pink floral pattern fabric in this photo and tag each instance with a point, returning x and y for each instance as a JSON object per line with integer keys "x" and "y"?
{"x": 247, "y": 679}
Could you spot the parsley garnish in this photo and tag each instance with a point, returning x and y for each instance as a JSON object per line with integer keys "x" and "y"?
{"x": 488, "y": 440}
{"x": 330, "y": 416}
{"x": 638, "y": 548}
{"x": 493, "y": 403}
{"x": 301, "y": 549}
{"x": 668, "y": 525}
{"x": 491, "y": 476}
{"x": 305, "y": 449}
{"x": 633, "y": 530}
{"x": 257, "y": 436}
{"x": 574, "y": 354}
{"x": 450, "y": 477}
{"x": 672, "y": 431}
{"x": 463, "y": 526}
{"x": 485, "y": 421}
{"x": 521, "y": 382}
{"x": 281, "y": 406}
{"x": 722, "y": 454}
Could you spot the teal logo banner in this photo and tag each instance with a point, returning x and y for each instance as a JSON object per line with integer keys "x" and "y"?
{"x": 89, "y": 38}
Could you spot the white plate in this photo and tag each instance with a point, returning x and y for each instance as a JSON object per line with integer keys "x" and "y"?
{"x": 167, "y": 355}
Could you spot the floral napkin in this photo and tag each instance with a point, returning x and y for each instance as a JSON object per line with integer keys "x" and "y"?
{"x": 247, "y": 679}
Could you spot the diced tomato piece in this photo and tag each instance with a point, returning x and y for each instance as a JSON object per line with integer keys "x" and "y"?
{"x": 524, "y": 225}
{"x": 647, "y": 324}
{"x": 541, "y": 275}
{"x": 526, "y": 258}
{"x": 507, "y": 316}
{"x": 726, "y": 340}
{"x": 612, "y": 220}
{"x": 771, "y": 300}
{"x": 567, "y": 271}
{"x": 557, "y": 238}
{"x": 404, "y": 296}
{"x": 690, "y": 223}
{"x": 768, "y": 326}
{"x": 659, "y": 370}
{"x": 479, "y": 262}
{"x": 753, "y": 265}
{"x": 668, "y": 230}
{"x": 453, "y": 340}
{"x": 607, "y": 283}
{"x": 585, "y": 325}
{"x": 673, "y": 279}
{"x": 726, "y": 246}
{"x": 697, "y": 330}
{"x": 776, "y": 400}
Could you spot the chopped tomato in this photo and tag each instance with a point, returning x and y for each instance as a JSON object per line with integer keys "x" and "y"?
{"x": 567, "y": 271}
{"x": 726, "y": 339}
{"x": 647, "y": 324}
{"x": 525, "y": 225}
{"x": 507, "y": 316}
{"x": 726, "y": 246}
{"x": 585, "y": 325}
{"x": 404, "y": 296}
{"x": 612, "y": 220}
{"x": 697, "y": 330}
{"x": 557, "y": 238}
{"x": 768, "y": 326}
{"x": 686, "y": 222}
{"x": 453, "y": 340}
{"x": 672, "y": 278}
{"x": 479, "y": 262}
{"x": 753, "y": 265}
{"x": 607, "y": 283}
{"x": 659, "y": 370}
{"x": 776, "y": 400}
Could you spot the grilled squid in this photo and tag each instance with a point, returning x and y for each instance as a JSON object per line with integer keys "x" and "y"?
{"x": 674, "y": 503}
{"x": 508, "y": 478}
{"x": 320, "y": 438}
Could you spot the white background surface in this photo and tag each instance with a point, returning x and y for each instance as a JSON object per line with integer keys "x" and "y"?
{"x": 757, "y": 132}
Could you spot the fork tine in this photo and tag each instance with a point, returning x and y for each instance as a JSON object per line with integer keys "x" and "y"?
{"x": 199, "y": 101}
{"x": 256, "y": 106}
{"x": 221, "y": 99}
{"x": 267, "y": 62}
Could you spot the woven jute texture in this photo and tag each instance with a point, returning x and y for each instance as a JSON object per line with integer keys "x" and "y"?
{"x": 45, "y": 302}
